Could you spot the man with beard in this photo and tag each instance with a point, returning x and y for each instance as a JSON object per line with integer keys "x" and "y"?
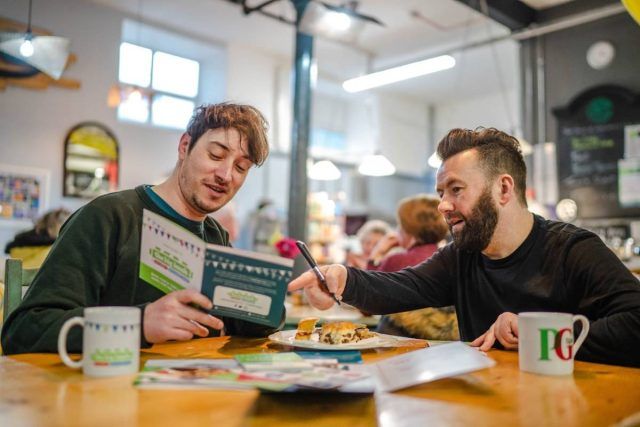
{"x": 503, "y": 260}
{"x": 95, "y": 260}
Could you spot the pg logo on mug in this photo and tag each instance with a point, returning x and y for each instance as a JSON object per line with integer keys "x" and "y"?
{"x": 558, "y": 342}
{"x": 545, "y": 342}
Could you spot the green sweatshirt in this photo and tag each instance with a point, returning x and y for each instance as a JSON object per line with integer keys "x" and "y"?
{"x": 95, "y": 262}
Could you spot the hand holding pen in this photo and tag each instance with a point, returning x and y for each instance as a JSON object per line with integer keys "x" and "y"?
{"x": 314, "y": 266}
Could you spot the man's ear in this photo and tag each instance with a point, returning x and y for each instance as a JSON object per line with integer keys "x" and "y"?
{"x": 183, "y": 146}
{"x": 507, "y": 189}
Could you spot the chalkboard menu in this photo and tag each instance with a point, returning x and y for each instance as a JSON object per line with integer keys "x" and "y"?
{"x": 598, "y": 152}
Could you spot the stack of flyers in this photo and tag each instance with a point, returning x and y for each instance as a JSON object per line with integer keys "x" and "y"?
{"x": 193, "y": 373}
{"x": 268, "y": 372}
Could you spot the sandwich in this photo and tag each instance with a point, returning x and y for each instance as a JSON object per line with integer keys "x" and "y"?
{"x": 306, "y": 327}
{"x": 344, "y": 332}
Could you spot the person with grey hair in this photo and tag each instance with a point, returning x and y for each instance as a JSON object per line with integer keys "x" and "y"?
{"x": 369, "y": 234}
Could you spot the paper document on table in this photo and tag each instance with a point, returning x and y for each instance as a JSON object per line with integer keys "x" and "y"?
{"x": 429, "y": 364}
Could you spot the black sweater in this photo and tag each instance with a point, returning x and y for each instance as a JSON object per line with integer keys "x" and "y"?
{"x": 559, "y": 267}
{"x": 95, "y": 262}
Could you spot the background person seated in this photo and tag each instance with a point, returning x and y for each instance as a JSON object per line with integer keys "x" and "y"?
{"x": 368, "y": 235}
{"x": 420, "y": 228}
{"x": 32, "y": 246}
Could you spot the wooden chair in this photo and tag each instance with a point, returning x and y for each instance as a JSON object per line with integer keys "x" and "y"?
{"x": 16, "y": 280}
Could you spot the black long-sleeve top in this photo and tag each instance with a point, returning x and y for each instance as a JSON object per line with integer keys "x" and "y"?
{"x": 559, "y": 267}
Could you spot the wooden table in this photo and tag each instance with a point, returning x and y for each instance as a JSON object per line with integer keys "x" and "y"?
{"x": 36, "y": 389}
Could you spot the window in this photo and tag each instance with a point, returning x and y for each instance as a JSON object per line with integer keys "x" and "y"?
{"x": 163, "y": 87}
{"x": 328, "y": 140}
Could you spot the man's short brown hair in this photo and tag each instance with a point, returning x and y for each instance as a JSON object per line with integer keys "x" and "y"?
{"x": 247, "y": 120}
{"x": 419, "y": 217}
{"x": 499, "y": 153}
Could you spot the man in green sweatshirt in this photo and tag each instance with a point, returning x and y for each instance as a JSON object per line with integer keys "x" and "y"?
{"x": 95, "y": 260}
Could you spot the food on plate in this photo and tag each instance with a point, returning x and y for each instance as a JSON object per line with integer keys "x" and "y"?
{"x": 344, "y": 332}
{"x": 306, "y": 327}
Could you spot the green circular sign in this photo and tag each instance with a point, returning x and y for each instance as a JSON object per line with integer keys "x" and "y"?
{"x": 600, "y": 110}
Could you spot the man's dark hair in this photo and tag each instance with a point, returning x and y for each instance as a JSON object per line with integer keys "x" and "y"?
{"x": 247, "y": 120}
{"x": 499, "y": 153}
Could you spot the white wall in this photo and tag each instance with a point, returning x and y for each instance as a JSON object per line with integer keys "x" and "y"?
{"x": 404, "y": 131}
{"x": 252, "y": 78}
{"x": 395, "y": 125}
{"x": 363, "y": 129}
{"x": 256, "y": 78}
{"x": 487, "y": 110}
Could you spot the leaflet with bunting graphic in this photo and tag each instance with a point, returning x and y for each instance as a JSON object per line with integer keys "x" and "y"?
{"x": 242, "y": 284}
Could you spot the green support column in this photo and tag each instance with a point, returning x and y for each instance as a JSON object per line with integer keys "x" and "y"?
{"x": 297, "y": 214}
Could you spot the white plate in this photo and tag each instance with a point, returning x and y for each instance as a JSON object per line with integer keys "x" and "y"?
{"x": 380, "y": 340}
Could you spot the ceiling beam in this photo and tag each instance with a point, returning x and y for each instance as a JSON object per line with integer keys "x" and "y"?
{"x": 514, "y": 15}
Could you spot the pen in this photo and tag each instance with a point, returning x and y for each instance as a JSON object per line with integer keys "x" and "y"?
{"x": 314, "y": 266}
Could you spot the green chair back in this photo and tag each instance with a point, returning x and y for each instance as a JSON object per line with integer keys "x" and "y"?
{"x": 15, "y": 279}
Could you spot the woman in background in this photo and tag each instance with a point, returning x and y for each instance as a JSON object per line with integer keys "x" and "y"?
{"x": 421, "y": 228}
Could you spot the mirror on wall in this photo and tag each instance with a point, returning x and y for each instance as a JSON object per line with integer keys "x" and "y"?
{"x": 90, "y": 161}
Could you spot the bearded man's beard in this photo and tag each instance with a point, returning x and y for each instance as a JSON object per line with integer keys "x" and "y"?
{"x": 479, "y": 227}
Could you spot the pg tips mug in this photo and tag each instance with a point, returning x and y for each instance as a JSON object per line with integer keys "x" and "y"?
{"x": 546, "y": 342}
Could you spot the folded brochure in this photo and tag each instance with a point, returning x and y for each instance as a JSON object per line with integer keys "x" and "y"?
{"x": 242, "y": 284}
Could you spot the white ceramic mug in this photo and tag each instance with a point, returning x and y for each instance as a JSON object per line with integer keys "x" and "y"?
{"x": 110, "y": 344}
{"x": 545, "y": 342}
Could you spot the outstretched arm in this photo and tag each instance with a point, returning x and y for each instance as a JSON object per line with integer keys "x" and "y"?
{"x": 426, "y": 285}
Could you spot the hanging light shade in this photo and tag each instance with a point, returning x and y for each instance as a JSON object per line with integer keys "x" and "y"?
{"x": 342, "y": 23}
{"x": 114, "y": 97}
{"x": 376, "y": 165}
{"x": 48, "y": 54}
{"x": 434, "y": 161}
{"x": 324, "y": 170}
